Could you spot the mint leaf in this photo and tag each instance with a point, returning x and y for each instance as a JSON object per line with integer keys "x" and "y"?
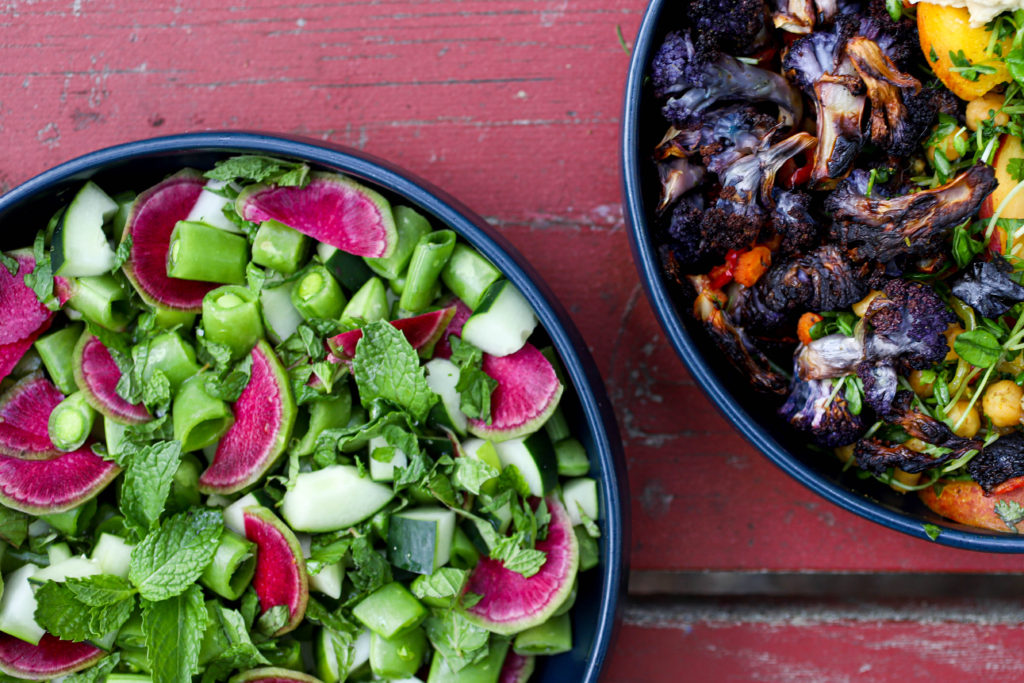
{"x": 470, "y": 474}
{"x": 149, "y": 473}
{"x": 933, "y": 531}
{"x": 10, "y": 263}
{"x": 510, "y": 551}
{"x": 172, "y": 557}
{"x": 174, "y": 632}
{"x": 124, "y": 251}
{"x": 445, "y": 583}
{"x": 96, "y": 673}
{"x": 13, "y": 526}
{"x": 61, "y": 612}
{"x": 458, "y": 640}
{"x": 40, "y": 278}
{"x": 261, "y": 169}
{"x": 273, "y": 620}
{"x": 228, "y": 386}
{"x": 371, "y": 570}
{"x": 226, "y": 644}
{"x": 326, "y": 550}
{"x": 475, "y": 386}
{"x": 101, "y": 590}
{"x": 156, "y": 392}
{"x": 387, "y": 366}
{"x": 1011, "y": 512}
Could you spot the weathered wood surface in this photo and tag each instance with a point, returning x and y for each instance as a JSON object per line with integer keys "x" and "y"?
{"x": 513, "y": 106}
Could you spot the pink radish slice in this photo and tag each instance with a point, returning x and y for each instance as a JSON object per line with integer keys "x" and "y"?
{"x": 24, "y": 414}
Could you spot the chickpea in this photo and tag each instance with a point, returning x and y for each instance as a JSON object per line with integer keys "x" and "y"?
{"x": 1001, "y": 403}
{"x": 952, "y": 332}
{"x": 978, "y": 110}
{"x": 971, "y": 424}
{"x": 845, "y": 453}
{"x": 947, "y": 144}
{"x": 922, "y": 389}
{"x": 905, "y": 478}
{"x": 861, "y": 307}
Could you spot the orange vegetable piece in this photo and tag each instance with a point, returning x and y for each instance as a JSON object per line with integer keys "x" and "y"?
{"x": 752, "y": 265}
{"x": 803, "y": 327}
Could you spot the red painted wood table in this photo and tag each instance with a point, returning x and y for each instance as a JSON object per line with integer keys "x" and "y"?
{"x": 514, "y": 107}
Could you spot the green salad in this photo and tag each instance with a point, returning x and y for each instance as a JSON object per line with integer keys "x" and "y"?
{"x": 259, "y": 424}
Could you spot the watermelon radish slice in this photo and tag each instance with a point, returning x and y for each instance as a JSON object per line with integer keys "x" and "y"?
{"x": 527, "y": 393}
{"x": 264, "y": 417}
{"x": 517, "y": 668}
{"x": 330, "y": 208}
{"x": 273, "y": 674}
{"x": 11, "y": 354}
{"x": 462, "y": 313}
{"x": 97, "y": 375}
{"x": 422, "y": 331}
{"x": 24, "y": 413}
{"x": 52, "y": 657}
{"x": 280, "y": 577}
{"x": 44, "y": 487}
{"x": 150, "y": 224}
{"x": 22, "y": 312}
{"x": 513, "y": 603}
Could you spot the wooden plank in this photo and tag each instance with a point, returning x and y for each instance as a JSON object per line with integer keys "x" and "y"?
{"x": 822, "y": 643}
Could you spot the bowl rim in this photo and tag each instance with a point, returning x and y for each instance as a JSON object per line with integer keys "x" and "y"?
{"x": 649, "y": 269}
{"x": 577, "y": 361}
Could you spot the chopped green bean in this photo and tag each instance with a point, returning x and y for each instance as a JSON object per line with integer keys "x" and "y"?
{"x": 232, "y": 316}
{"x": 429, "y": 257}
{"x": 201, "y": 252}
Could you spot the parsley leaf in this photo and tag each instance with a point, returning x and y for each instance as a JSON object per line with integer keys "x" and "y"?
{"x": 1011, "y": 512}
{"x": 387, "y": 366}
{"x": 10, "y": 263}
{"x": 1015, "y": 167}
{"x": 261, "y": 169}
{"x": 84, "y": 608}
{"x": 149, "y": 473}
{"x": 172, "y": 557}
{"x": 174, "y": 633}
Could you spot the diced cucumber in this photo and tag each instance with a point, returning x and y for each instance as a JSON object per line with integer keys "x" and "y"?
{"x": 420, "y": 539}
{"x": 333, "y": 498}
{"x": 58, "y": 552}
{"x": 442, "y": 378}
{"x": 113, "y": 433}
{"x": 486, "y": 670}
{"x": 209, "y": 207}
{"x": 279, "y": 315}
{"x": 535, "y": 459}
{"x": 233, "y": 513}
{"x": 350, "y": 269}
{"x": 369, "y": 304}
{"x": 385, "y": 471}
{"x": 390, "y": 610}
{"x": 80, "y": 245}
{"x": 557, "y": 426}
{"x": 572, "y": 458}
{"x": 580, "y": 496}
{"x": 72, "y": 568}
{"x": 330, "y": 649}
{"x": 112, "y": 554}
{"x": 329, "y": 579}
{"x": 398, "y": 657}
{"x": 552, "y": 637}
{"x": 18, "y": 606}
{"x": 502, "y": 322}
{"x": 590, "y": 554}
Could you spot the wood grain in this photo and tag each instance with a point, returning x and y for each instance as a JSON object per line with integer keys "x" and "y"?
{"x": 513, "y": 106}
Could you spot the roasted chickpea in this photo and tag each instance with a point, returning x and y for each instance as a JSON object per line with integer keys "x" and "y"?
{"x": 861, "y": 307}
{"x": 952, "y": 332}
{"x": 845, "y": 453}
{"x": 971, "y": 424}
{"x": 922, "y": 389}
{"x": 1001, "y": 403}
{"x": 946, "y": 143}
{"x": 905, "y": 478}
{"x": 978, "y": 110}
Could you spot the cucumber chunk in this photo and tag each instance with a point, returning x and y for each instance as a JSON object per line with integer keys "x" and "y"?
{"x": 209, "y": 207}
{"x": 442, "y": 378}
{"x": 502, "y": 322}
{"x": 390, "y": 610}
{"x": 420, "y": 539}
{"x": 112, "y": 554}
{"x": 333, "y": 498}
{"x": 381, "y": 470}
{"x": 80, "y": 246}
{"x": 398, "y": 657}
{"x": 580, "y": 496}
{"x": 535, "y": 459}
{"x": 18, "y": 606}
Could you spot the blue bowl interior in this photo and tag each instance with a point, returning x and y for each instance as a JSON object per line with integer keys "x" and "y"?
{"x": 755, "y": 417}
{"x": 137, "y": 165}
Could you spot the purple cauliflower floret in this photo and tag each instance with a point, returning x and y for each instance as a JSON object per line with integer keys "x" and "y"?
{"x": 733, "y": 26}
{"x": 828, "y": 422}
{"x": 908, "y": 326}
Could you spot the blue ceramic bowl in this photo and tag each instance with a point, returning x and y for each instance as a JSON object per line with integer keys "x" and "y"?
{"x": 137, "y": 165}
{"x": 642, "y": 128}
